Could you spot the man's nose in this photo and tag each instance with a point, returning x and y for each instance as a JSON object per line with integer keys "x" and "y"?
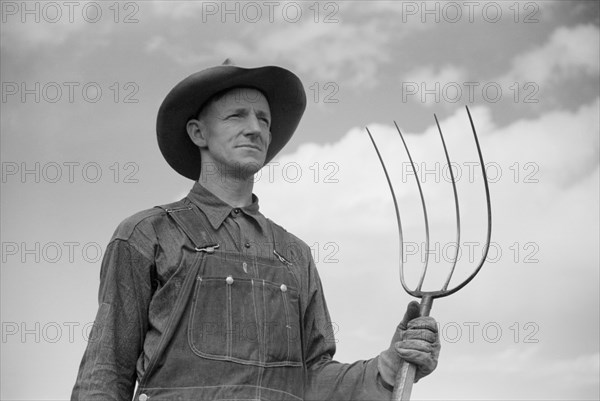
{"x": 252, "y": 126}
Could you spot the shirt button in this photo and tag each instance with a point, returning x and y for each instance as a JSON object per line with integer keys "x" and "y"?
{"x": 283, "y": 288}
{"x": 229, "y": 280}
{"x": 236, "y": 210}
{"x": 247, "y": 245}
{"x": 143, "y": 397}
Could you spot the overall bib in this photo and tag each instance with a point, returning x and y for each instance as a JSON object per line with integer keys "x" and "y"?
{"x": 235, "y": 331}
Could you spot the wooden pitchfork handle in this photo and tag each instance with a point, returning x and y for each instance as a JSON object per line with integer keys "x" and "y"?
{"x": 406, "y": 374}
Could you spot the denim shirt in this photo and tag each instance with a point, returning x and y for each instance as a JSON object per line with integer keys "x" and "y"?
{"x": 139, "y": 286}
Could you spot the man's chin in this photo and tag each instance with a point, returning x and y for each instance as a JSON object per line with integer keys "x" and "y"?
{"x": 246, "y": 169}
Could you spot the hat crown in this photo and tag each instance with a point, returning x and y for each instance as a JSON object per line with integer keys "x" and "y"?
{"x": 281, "y": 87}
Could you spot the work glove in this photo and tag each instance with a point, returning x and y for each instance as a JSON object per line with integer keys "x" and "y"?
{"x": 416, "y": 341}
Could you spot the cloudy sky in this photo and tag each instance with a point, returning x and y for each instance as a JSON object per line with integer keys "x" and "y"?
{"x": 81, "y": 85}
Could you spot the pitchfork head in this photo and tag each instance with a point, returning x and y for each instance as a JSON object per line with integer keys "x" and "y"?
{"x": 428, "y": 296}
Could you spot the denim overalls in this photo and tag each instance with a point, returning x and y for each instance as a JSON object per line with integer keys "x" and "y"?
{"x": 235, "y": 330}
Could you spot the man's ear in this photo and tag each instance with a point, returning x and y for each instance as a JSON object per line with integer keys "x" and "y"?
{"x": 197, "y": 132}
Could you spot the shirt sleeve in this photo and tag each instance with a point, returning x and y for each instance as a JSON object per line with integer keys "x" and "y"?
{"x": 328, "y": 379}
{"x": 108, "y": 367}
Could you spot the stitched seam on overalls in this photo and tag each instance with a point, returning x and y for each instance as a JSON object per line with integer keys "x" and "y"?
{"x": 229, "y": 314}
{"x": 224, "y": 385}
{"x": 260, "y": 339}
{"x": 265, "y": 328}
{"x": 287, "y": 324}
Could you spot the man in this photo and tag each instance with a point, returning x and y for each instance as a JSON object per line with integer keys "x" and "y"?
{"x": 205, "y": 298}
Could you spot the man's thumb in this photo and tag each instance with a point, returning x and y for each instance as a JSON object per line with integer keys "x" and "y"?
{"x": 412, "y": 311}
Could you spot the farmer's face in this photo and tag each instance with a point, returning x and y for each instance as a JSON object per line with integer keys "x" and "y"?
{"x": 233, "y": 132}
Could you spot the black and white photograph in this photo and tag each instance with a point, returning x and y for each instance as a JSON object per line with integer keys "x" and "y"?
{"x": 300, "y": 200}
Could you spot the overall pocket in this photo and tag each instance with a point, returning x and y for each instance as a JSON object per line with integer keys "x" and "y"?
{"x": 282, "y": 324}
{"x": 248, "y": 321}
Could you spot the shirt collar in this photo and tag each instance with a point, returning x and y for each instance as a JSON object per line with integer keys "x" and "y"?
{"x": 217, "y": 210}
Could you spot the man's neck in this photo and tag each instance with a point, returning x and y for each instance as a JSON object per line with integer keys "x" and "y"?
{"x": 235, "y": 191}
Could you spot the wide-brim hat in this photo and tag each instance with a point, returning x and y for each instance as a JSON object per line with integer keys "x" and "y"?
{"x": 282, "y": 88}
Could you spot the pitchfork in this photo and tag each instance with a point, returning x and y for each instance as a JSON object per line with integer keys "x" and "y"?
{"x": 406, "y": 374}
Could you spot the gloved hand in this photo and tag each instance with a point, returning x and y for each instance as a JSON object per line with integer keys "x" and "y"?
{"x": 416, "y": 341}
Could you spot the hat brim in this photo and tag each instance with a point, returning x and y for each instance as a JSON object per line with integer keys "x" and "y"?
{"x": 282, "y": 88}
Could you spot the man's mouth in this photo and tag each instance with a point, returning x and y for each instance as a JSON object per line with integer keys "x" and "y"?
{"x": 250, "y": 146}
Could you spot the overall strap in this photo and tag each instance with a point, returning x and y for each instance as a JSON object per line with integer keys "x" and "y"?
{"x": 193, "y": 223}
{"x": 280, "y": 248}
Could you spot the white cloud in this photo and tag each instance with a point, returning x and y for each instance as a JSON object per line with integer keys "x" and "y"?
{"x": 556, "y": 151}
{"x": 177, "y": 10}
{"x": 32, "y": 35}
{"x": 31, "y": 25}
{"x": 557, "y": 214}
{"x": 564, "y": 145}
{"x": 177, "y": 52}
{"x": 340, "y": 51}
{"x": 423, "y": 80}
{"x": 568, "y": 53}
{"x": 348, "y": 52}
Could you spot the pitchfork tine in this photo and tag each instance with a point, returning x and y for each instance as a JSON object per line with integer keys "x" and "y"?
{"x": 397, "y": 210}
{"x": 387, "y": 177}
{"x": 445, "y": 287}
{"x": 426, "y": 261}
{"x": 429, "y": 295}
{"x": 489, "y": 213}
